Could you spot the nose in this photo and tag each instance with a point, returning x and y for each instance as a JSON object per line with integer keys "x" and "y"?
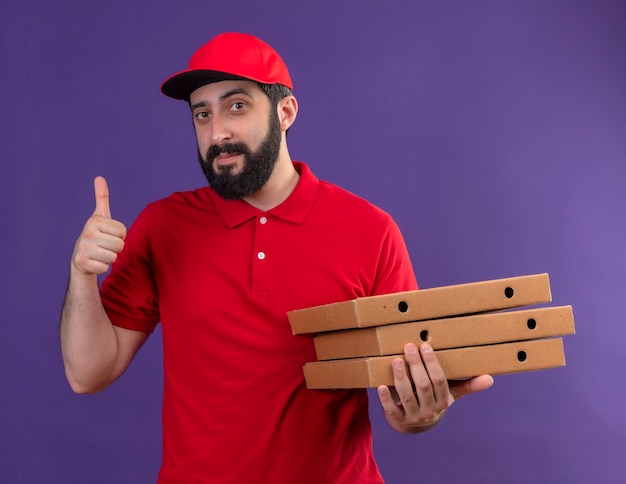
{"x": 220, "y": 132}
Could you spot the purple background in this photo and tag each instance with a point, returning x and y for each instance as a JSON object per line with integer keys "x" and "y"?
{"x": 493, "y": 131}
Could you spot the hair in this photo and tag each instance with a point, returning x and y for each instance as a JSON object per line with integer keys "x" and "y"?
{"x": 276, "y": 92}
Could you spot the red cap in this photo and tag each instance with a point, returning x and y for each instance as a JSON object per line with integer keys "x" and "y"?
{"x": 229, "y": 56}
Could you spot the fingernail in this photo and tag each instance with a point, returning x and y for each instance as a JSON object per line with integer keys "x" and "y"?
{"x": 398, "y": 364}
{"x": 411, "y": 348}
{"x": 426, "y": 348}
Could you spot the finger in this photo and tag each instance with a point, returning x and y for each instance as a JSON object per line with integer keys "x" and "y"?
{"x": 109, "y": 227}
{"x": 112, "y": 241}
{"x": 395, "y": 397}
{"x": 98, "y": 229}
{"x": 90, "y": 259}
{"x": 102, "y": 197}
{"x": 438, "y": 381}
{"x": 393, "y": 410}
{"x": 460, "y": 388}
{"x": 92, "y": 267}
{"x": 91, "y": 244}
{"x": 387, "y": 400}
{"x": 423, "y": 385}
{"x": 402, "y": 382}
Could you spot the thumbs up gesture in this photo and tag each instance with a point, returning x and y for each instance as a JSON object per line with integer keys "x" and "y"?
{"x": 102, "y": 238}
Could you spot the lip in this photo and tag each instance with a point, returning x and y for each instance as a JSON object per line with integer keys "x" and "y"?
{"x": 226, "y": 158}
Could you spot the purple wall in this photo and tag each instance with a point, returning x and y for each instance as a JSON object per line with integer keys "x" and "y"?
{"x": 494, "y": 132}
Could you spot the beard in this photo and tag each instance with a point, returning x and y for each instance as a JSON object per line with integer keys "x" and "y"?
{"x": 257, "y": 167}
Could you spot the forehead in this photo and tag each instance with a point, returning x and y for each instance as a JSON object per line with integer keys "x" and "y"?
{"x": 218, "y": 91}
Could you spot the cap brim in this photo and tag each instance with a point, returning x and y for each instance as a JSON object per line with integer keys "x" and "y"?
{"x": 181, "y": 85}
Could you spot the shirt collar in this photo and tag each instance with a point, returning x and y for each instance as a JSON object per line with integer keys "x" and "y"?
{"x": 294, "y": 209}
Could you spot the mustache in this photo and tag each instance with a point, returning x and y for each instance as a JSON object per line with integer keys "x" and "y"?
{"x": 226, "y": 148}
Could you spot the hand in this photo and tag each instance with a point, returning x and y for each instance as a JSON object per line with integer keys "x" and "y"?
{"x": 102, "y": 238}
{"x": 414, "y": 408}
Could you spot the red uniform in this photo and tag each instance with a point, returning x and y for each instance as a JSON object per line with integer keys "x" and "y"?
{"x": 220, "y": 276}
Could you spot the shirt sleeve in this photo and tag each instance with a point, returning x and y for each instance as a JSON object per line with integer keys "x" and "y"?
{"x": 129, "y": 293}
{"x": 395, "y": 270}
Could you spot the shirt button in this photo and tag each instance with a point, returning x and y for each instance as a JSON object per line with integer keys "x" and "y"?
{"x": 261, "y": 255}
{"x": 263, "y": 220}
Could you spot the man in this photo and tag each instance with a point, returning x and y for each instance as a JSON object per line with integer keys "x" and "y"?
{"x": 219, "y": 268}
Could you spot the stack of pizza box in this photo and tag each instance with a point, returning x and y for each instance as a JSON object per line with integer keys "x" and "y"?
{"x": 475, "y": 328}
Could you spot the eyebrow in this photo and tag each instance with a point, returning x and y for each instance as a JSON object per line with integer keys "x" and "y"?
{"x": 223, "y": 97}
{"x": 232, "y": 92}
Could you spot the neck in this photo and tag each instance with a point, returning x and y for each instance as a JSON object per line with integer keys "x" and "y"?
{"x": 278, "y": 188}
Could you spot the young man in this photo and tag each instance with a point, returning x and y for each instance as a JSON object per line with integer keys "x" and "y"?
{"x": 220, "y": 267}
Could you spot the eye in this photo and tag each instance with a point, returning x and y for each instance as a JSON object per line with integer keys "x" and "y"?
{"x": 201, "y": 115}
{"x": 238, "y": 106}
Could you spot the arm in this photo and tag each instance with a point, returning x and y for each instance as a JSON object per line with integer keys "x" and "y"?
{"x": 412, "y": 410}
{"x": 95, "y": 352}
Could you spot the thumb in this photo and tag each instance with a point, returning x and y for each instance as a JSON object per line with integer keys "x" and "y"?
{"x": 102, "y": 197}
{"x": 460, "y": 388}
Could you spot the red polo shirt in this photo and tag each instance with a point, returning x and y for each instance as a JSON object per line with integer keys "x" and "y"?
{"x": 220, "y": 276}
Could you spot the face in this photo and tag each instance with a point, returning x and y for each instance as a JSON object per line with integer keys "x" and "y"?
{"x": 239, "y": 137}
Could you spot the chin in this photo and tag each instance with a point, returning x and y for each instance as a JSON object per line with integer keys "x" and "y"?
{"x": 232, "y": 168}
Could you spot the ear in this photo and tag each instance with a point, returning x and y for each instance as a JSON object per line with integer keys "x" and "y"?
{"x": 287, "y": 112}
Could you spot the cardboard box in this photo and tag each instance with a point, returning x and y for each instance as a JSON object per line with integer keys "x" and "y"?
{"x": 475, "y": 330}
{"x": 456, "y": 363}
{"x": 456, "y": 300}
